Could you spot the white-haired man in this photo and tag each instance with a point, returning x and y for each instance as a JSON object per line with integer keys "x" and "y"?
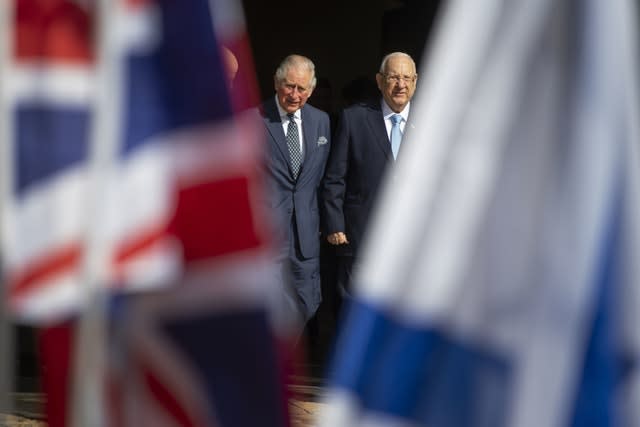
{"x": 298, "y": 147}
{"x": 367, "y": 139}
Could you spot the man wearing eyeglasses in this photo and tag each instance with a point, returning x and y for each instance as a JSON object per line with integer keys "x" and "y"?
{"x": 297, "y": 150}
{"x": 368, "y": 138}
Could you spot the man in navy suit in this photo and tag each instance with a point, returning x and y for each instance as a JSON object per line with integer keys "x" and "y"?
{"x": 298, "y": 147}
{"x": 365, "y": 143}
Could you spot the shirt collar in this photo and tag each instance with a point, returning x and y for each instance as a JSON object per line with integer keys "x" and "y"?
{"x": 283, "y": 114}
{"x": 387, "y": 112}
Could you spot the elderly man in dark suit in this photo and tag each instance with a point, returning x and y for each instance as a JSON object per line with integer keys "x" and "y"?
{"x": 298, "y": 147}
{"x": 367, "y": 140}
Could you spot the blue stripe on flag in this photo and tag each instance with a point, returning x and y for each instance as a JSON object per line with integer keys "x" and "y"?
{"x": 419, "y": 374}
{"x": 146, "y": 113}
{"x": 234, "y": 358}
{"x": 605, "y": 366}
{"x": 49, "y": 139}
{"x": 183, "y": 82}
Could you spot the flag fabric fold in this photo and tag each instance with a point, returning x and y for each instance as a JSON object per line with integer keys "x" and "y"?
{"x": 506, "y": 292}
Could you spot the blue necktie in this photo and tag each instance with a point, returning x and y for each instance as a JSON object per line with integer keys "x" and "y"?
{"x": 396, "y": 134}
{"x": 293, "y": 143}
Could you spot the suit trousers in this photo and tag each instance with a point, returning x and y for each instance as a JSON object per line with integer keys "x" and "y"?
{"x": 300, "y": 278}
{"x": 344, "y": 274}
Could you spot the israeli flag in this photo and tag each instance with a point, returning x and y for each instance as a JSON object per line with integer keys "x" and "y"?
{"x": 500, "y": 285}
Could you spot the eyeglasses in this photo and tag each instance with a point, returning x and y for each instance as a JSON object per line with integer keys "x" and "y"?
{"x": 393, "y": 79}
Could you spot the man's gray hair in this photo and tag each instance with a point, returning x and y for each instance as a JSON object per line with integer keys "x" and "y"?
{"x": 383, "y": 64}
{"x": 292, "y": 61}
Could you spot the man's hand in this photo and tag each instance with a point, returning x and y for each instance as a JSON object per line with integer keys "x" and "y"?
{"x": 338, "y": 238}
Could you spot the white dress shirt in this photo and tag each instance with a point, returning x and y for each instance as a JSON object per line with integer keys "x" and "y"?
{"x": 388, "y": 112}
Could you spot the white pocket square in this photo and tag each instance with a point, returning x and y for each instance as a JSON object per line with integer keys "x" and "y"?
{"x": 322, "y": 140}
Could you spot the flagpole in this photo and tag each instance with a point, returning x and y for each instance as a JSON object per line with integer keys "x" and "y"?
{"x": 6, "y": 167}
{"x": 90, "y": 344}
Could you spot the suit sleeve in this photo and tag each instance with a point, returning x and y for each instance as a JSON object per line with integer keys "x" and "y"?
{"x": 334, "y": 183}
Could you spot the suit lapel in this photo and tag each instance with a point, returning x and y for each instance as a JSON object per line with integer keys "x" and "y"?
{"x": 310, "y": 136}
{"x": 274, "y": 127}
{"x": 376, "y": 122}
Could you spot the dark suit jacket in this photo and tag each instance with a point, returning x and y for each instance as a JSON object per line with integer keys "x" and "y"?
{"x": 289, "y": 197}
{"x": 359, "y": 156}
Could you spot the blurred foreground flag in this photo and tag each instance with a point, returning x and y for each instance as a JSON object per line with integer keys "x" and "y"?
{"x": 501, "y": 282}
{"x": 127, "y": 166}
{"x": 180, "y": 154}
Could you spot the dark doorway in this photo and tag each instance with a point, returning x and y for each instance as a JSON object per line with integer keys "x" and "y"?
{"x": 345, "y": 39}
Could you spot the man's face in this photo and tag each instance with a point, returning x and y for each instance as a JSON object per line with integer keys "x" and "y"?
{"x": 294, "y": 90}
{"x": 398, "y": 83}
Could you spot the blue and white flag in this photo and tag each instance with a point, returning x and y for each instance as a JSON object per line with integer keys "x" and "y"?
{"x": 500, "y": 285}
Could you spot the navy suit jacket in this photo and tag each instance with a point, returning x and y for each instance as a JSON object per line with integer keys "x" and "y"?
{"x": 289, "y": 197}
{"x": 360, "y": 154}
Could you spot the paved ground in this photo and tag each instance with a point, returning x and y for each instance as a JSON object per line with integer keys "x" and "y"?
{"x": 305, "y": 406}
{"x": 16, "y": 421}
{"x": 27, "y": 411}
{"x": 303, "y": 412}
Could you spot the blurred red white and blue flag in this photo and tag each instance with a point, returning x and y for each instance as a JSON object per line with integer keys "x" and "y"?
{"x": 171, "y": 201}
{"x": 501, "y": 282}
{"x": 176, "y": 135}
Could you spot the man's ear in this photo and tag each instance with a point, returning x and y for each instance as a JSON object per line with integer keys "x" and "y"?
{"x": 380, "y": 81}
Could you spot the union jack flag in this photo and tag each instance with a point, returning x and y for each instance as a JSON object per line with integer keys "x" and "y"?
{"x": 174, "y": 206}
